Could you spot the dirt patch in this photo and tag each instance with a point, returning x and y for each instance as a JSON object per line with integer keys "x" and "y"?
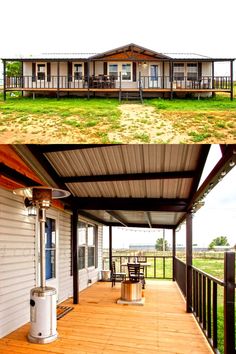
{"x": 143, "y": 123}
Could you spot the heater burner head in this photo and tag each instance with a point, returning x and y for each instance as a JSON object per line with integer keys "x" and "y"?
{"x": 39, "y": 193}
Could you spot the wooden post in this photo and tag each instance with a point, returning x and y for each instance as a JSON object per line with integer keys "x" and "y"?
{"x": 88, "y": 79}
{"x": 58, "y": 79}
{"x": 163, "y": 74}
{"x": 189, "y": 257}
{"x": 213, "y": 77}
{"x": 75, "y": 256}
{"x": 171, "y": 80}
{"x": 22, "y": 77}
{"x": 173, "y": 253}
{"x": 110, "y": 248}
{"x": 231, "y": 80}
{"x": 229, "y": 302}
{"x": 4, "y": 80}
{"x": 120, "y": 87}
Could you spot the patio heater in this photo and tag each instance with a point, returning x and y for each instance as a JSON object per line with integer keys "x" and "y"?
{"x": 43, "y": 299}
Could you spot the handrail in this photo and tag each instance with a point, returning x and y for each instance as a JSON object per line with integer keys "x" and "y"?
{"x": 211, "y": 277}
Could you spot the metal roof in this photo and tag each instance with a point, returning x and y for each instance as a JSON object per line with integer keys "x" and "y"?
{"x": 130, "y": 185}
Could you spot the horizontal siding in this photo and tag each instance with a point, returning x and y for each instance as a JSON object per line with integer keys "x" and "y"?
{"x": 17, "y": 262}
{"x": 65, "y": 278}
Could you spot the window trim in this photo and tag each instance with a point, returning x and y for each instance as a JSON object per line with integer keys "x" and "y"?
{"x": 37, "y": 71}
{"x": 119, "y": 69}
{"x": 74, "y": 71}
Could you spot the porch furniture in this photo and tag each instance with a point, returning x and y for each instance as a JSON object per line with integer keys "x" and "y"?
{"x": 131, "y": 291}
{"x": 116, "y": 276}
{"x": 136, "y": 273}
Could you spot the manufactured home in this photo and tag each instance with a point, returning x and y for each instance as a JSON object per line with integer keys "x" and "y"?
{"x": 127, "y": 71}
{"x": 147, "y": 186}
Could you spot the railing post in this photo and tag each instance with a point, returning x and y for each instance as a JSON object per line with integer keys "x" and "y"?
{"x": 189, "y": 262}
{"x": 58, "y": 79}
{"x": 120, "y": 87}
{"x": 229, "y": 303}
{"x": 4, "y": 80}
{"x": 231, "y": 81}
{"x": 171, "y": 80}
{"x": 173, "y": 253}
{"x": 110, "y": 248}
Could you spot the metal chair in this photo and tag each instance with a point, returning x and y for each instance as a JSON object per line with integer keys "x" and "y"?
{"x": 136, "y": 273}
{"x": 116, "y": 276}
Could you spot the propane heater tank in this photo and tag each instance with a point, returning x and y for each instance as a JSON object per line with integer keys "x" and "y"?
{"x": 43, "y": 299}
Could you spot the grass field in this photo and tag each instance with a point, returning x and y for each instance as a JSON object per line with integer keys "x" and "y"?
{"x": 76, "y": 120}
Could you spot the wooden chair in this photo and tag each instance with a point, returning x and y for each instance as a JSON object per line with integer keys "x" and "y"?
{"x": 116, "y": 276}
{"x": 136, "y": 273}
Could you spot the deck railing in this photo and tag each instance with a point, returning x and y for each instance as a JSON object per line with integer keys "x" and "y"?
{"x": 213, "y": 303}
{"x": 159, "y": 267}
{"x": 111, "y": 82}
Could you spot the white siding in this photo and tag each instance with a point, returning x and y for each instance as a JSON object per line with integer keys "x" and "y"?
{"x": 18, "y": 259}
{"x": 17, "y": 262}
{"x": 65, "y": 278}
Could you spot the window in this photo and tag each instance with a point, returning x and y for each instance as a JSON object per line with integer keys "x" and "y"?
{"x": 113, "y": 70}
{"x": 78, "y": 71}
{"x": 82, "y": 229}
{"x": 86, "y": 245}
{"x": 192, "y": 71}
{"x": 41, "y": 71}
{"x": 126, "y": 71}
{"x": 91, "y": 246}
{"x": 50, "y": 248}
{"x": 178, "y": 71}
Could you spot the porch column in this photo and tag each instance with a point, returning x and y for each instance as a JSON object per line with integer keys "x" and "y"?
{"x": 163, "y": 74}
{"x": 189, "y": 258}
{"x": 171, "y": 80}
{"x": 74, "y": 223}
{"x": 4, "y": 80}
{"x": 88, "y": 79}
{"x": 173, "y": 253}
{"x": 22, "y": 78}
{"x": 58, "y": 79}
{"x": 110, "y": 248}
{"x": 229, "y": 302}
{"x": 231, "y": 80}
{"x": 212, "y": 77}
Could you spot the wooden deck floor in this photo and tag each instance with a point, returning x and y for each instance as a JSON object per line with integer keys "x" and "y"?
{"x": 99, "y": 325}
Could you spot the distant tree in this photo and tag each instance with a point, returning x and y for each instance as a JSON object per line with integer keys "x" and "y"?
{"x": 13, "y": 68}
{"x": 159, "y": 245}
{"x": 218, "y": 241}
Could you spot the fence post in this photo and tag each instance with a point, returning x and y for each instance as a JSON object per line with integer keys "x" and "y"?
{"x": 229, "y": 303}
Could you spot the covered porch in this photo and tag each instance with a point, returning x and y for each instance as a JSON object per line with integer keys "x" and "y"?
{"x": 100, "y": 325}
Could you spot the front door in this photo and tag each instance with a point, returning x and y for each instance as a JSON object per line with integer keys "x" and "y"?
{"x": 153, "y": 76}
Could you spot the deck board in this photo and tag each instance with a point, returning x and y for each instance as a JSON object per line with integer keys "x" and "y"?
{"x": 99, "y": 325}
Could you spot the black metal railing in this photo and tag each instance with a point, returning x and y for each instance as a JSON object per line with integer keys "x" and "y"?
{"x": 112, "y": 82}
{"x": 213, "y": 302}
{"x": 158, "y": 267}
{"x": 180, "y": 274}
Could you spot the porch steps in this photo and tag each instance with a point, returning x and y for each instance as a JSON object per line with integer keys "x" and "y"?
{"x": 131, "y": 96}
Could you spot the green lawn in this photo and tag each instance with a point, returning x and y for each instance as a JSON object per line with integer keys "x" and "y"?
{"x": 79, "y": 120}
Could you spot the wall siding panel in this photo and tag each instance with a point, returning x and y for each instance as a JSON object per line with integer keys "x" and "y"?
{"x": 17, "y": 262}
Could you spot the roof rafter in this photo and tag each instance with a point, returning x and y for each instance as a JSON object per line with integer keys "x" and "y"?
{"x": 148, "y": 218}
{"x": 128, "y": 177}
{"x": 117, "y": 217}
{"x": 130, "y": 204}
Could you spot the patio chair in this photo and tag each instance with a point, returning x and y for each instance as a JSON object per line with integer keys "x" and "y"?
{"x": 136, "y": 273}
{"x": 116, "y": 276}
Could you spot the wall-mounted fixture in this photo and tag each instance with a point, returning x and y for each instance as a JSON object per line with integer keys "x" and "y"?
{"x": 31, "y": 208}
{"x": 43, "y": 299}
